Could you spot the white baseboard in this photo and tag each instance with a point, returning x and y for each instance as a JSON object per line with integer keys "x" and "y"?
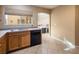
{"x": 68, "y": 44}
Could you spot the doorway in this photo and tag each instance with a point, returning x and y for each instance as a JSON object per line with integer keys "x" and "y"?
{"x": 44, "y": 22}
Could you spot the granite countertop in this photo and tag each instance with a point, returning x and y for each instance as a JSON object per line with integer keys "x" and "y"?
{"x": 3, "y": 32}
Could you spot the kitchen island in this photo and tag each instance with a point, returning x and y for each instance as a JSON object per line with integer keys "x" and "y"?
{"x": 15, "y": 39}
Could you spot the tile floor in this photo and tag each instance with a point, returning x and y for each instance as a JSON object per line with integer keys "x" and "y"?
{"x": 48, "y": 46}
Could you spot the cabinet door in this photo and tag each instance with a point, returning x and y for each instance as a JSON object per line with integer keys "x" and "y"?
{"x": 13, "y": 42}
{"x": 25, "y": 39}
{"x": 2, "y": 45}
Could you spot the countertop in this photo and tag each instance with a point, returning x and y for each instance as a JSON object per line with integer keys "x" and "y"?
{"x": 3, "y": 32}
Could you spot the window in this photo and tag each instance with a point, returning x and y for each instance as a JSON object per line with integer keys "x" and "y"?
{"x": 17, "y": 20}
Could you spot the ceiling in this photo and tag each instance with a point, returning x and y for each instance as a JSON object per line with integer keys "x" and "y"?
{"x": 47, "y": 6}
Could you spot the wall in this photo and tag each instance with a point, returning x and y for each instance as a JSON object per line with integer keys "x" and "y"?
{"x": 1, "y": 16}
{"x": 63, "y": 23}
{"x": 77, "y": 26}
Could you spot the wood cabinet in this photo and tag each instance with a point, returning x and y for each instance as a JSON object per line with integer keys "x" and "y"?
{"x": 2, "y": 45}
{"x": 13, "y": 42}
{"x": 17, "y": 40}
{"x": 25, "y": 39}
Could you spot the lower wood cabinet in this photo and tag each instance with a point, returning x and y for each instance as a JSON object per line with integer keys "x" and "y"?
{"x": 2, "y": 45}
{"x": 18, "y": 40}
{"x": 25, "y": 39}
{"x": 13, "y": 43}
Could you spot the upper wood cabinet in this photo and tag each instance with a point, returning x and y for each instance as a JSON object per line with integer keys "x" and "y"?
{"x": 2, "y": 45}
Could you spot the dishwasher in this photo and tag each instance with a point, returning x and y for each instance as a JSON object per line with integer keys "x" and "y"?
{"x": 35, "y": 37}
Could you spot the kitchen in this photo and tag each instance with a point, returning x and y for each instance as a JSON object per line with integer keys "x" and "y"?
{"x": 39, "y": 29}
{"x": 19, "y": 27}
{"x": 34, "y": 29}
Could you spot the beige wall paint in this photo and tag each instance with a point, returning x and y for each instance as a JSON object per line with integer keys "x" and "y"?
{"x": 35, "y": 18}
{"x": 63, "y": 23}
{"x": 77, "y": 26}
{"x": 1, "y": 16}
